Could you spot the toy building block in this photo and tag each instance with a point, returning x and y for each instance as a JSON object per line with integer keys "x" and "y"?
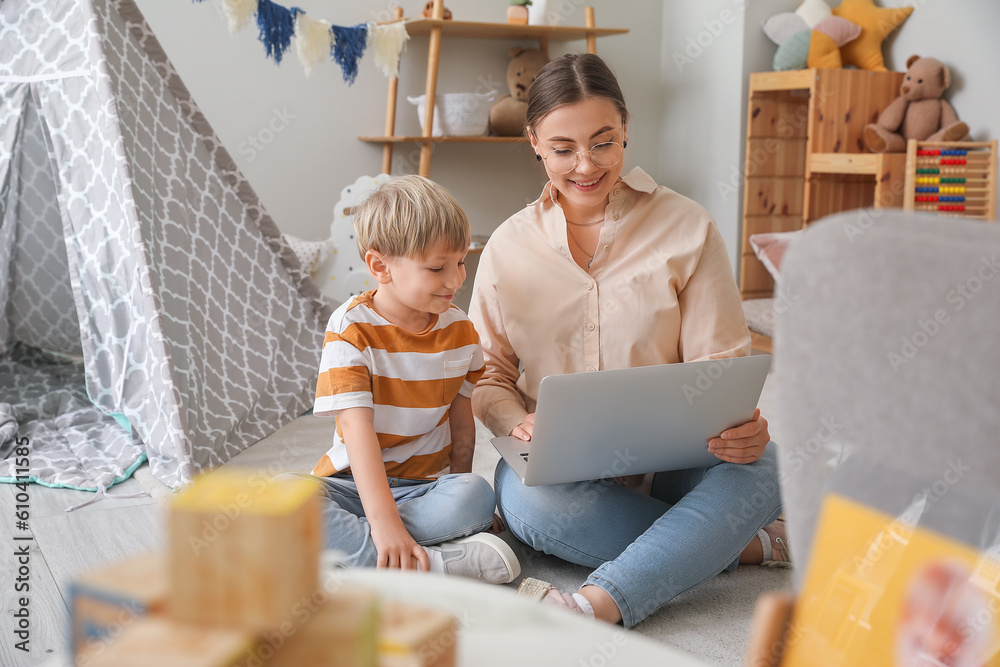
{"x": 416, "y": 637}
{"x": 158, "y": 641}
{"x": 244, "y": 551}
{"x": 771, "y": 617}
{"x": 341, "y": 632}
{"x": 104, "y": 602}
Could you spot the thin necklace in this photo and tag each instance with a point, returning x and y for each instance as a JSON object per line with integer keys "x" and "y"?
{"x": 552, "y": 196}
{"x": 591, "y": 260}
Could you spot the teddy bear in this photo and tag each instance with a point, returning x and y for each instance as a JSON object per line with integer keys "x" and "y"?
{"x": 508, "y": 114}
{"x": 919, "y": 112}
{"x": 428, "y": 11}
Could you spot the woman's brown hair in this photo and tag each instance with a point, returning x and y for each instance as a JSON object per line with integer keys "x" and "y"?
{"x": 570, "y": 79}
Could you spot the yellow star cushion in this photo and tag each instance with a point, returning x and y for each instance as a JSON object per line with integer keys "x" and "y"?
{"x": 823, "y": 52}
{"x": 876, "y": 23}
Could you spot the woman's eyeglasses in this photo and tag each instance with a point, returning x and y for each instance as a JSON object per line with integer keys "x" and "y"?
{"x": 603, "y": 155}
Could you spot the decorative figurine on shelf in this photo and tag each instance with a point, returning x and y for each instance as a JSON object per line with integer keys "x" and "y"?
{"x": 429, "y": 11}
{"x": 342, "y": 274}
{"x": 919, "y": 112}
{"x": 517, "y": 13}
{"x": 508, "y": 114}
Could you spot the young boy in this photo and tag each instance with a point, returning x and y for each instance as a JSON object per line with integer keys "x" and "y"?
{"x": 397, "y": 371}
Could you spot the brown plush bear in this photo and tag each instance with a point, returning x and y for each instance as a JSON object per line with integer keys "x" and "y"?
{"x": 919, "y": 112}
{"x": 507, "y": 115}
{"x": 429, "y": 11}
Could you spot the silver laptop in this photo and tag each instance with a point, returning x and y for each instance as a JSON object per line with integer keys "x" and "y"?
{"x": 634, "y": 420}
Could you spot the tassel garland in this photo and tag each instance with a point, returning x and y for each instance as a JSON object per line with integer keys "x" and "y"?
{"x": 239, "y": 13}
{"x": 389, "y": 41}
{"x": 277, "y": 25}
{"x": 312, "y": 41}
{"x": 348, "y": 46}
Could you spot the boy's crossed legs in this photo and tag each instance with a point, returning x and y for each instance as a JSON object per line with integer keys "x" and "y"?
{"x": 437, "y": 514}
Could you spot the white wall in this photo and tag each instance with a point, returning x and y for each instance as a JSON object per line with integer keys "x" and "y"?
{"x": 701, "y": 88}
{"x": 971, "y": 50}
{"x": 965, "y": 36}
{"x": 683, "y": 67}
{"x": 310, "y": 125}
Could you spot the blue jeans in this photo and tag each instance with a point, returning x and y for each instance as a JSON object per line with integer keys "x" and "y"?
{"x": 433, "y": 511}
{"x": 647, "y": 549}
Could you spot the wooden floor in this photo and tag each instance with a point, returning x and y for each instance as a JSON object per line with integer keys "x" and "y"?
{"x": 62, "y": 545}
{"x": 712, "y": 622}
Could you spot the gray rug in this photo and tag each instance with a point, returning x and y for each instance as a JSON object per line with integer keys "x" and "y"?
{"x": 711, "y": 621}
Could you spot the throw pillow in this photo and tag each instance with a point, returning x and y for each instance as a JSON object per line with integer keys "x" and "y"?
{"x": 770, "y": 248}
{"x": 876, "y": 23}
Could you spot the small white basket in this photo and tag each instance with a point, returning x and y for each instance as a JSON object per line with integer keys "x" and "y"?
{"x": 457, "y": 114}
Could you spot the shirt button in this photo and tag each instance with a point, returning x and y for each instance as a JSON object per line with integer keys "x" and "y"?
{"x": 607, "y": 247}
{"x": 614, "y": 217}
{"x": 591, "y": 370}
{"x": 590, "y": 286}
{"x": 591, "y": 326}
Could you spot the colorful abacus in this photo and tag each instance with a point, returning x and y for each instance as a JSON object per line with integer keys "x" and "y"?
{"x": 952, "y": 178}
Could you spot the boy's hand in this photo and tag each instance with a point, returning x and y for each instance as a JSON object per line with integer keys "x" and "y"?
{"x": 497, "y": 526}
{"x": 397, "y": 549}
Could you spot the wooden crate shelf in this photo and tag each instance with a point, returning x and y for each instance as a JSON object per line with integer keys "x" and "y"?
{"x": 783, "y": 81}
{"x": 843, "y": 163}
{"x": 805, "y": 156}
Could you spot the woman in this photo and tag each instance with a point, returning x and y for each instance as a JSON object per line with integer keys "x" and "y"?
{"x": 607, "y": 272}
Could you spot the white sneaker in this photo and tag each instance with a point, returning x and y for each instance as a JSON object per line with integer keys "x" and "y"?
{"x": 482, "y": 556}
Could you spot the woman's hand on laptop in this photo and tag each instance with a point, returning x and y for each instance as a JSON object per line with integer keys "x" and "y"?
{"x": 523, "y": 430}
{"x": 744, "y": 443}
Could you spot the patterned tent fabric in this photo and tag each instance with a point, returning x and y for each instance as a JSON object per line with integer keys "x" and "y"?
{"x": 129, "y": 237}
{"x": 44, "y": 394}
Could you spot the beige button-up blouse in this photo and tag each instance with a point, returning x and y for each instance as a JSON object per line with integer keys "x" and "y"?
{"x": 660, "y": 290}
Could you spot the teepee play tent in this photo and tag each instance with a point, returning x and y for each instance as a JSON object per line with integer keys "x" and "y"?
{"x": 149, "y": 308}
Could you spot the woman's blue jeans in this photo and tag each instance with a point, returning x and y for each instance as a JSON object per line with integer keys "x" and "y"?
{"x": 647, "y": 549}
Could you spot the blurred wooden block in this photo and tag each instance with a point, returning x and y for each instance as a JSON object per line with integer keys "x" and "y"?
{"x": 771, "y": 617}
{"x": 339, "y": 633}
{"x": 158, "y": 641}
{"x": 103, "y": 602}
{"x": 244, "y": 549}
{"x": 412, "y": 636}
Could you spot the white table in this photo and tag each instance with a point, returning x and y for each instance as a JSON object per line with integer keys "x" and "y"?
{"x": 498, "y": 628}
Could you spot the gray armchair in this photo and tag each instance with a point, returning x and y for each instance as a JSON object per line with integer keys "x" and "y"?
{"x": 887, "y": 364}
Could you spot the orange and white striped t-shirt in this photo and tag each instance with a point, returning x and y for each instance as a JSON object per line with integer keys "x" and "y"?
{"x": 409, "y": 379}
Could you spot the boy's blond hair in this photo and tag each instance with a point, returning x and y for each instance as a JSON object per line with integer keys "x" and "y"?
{"x": 409, "y": 215}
